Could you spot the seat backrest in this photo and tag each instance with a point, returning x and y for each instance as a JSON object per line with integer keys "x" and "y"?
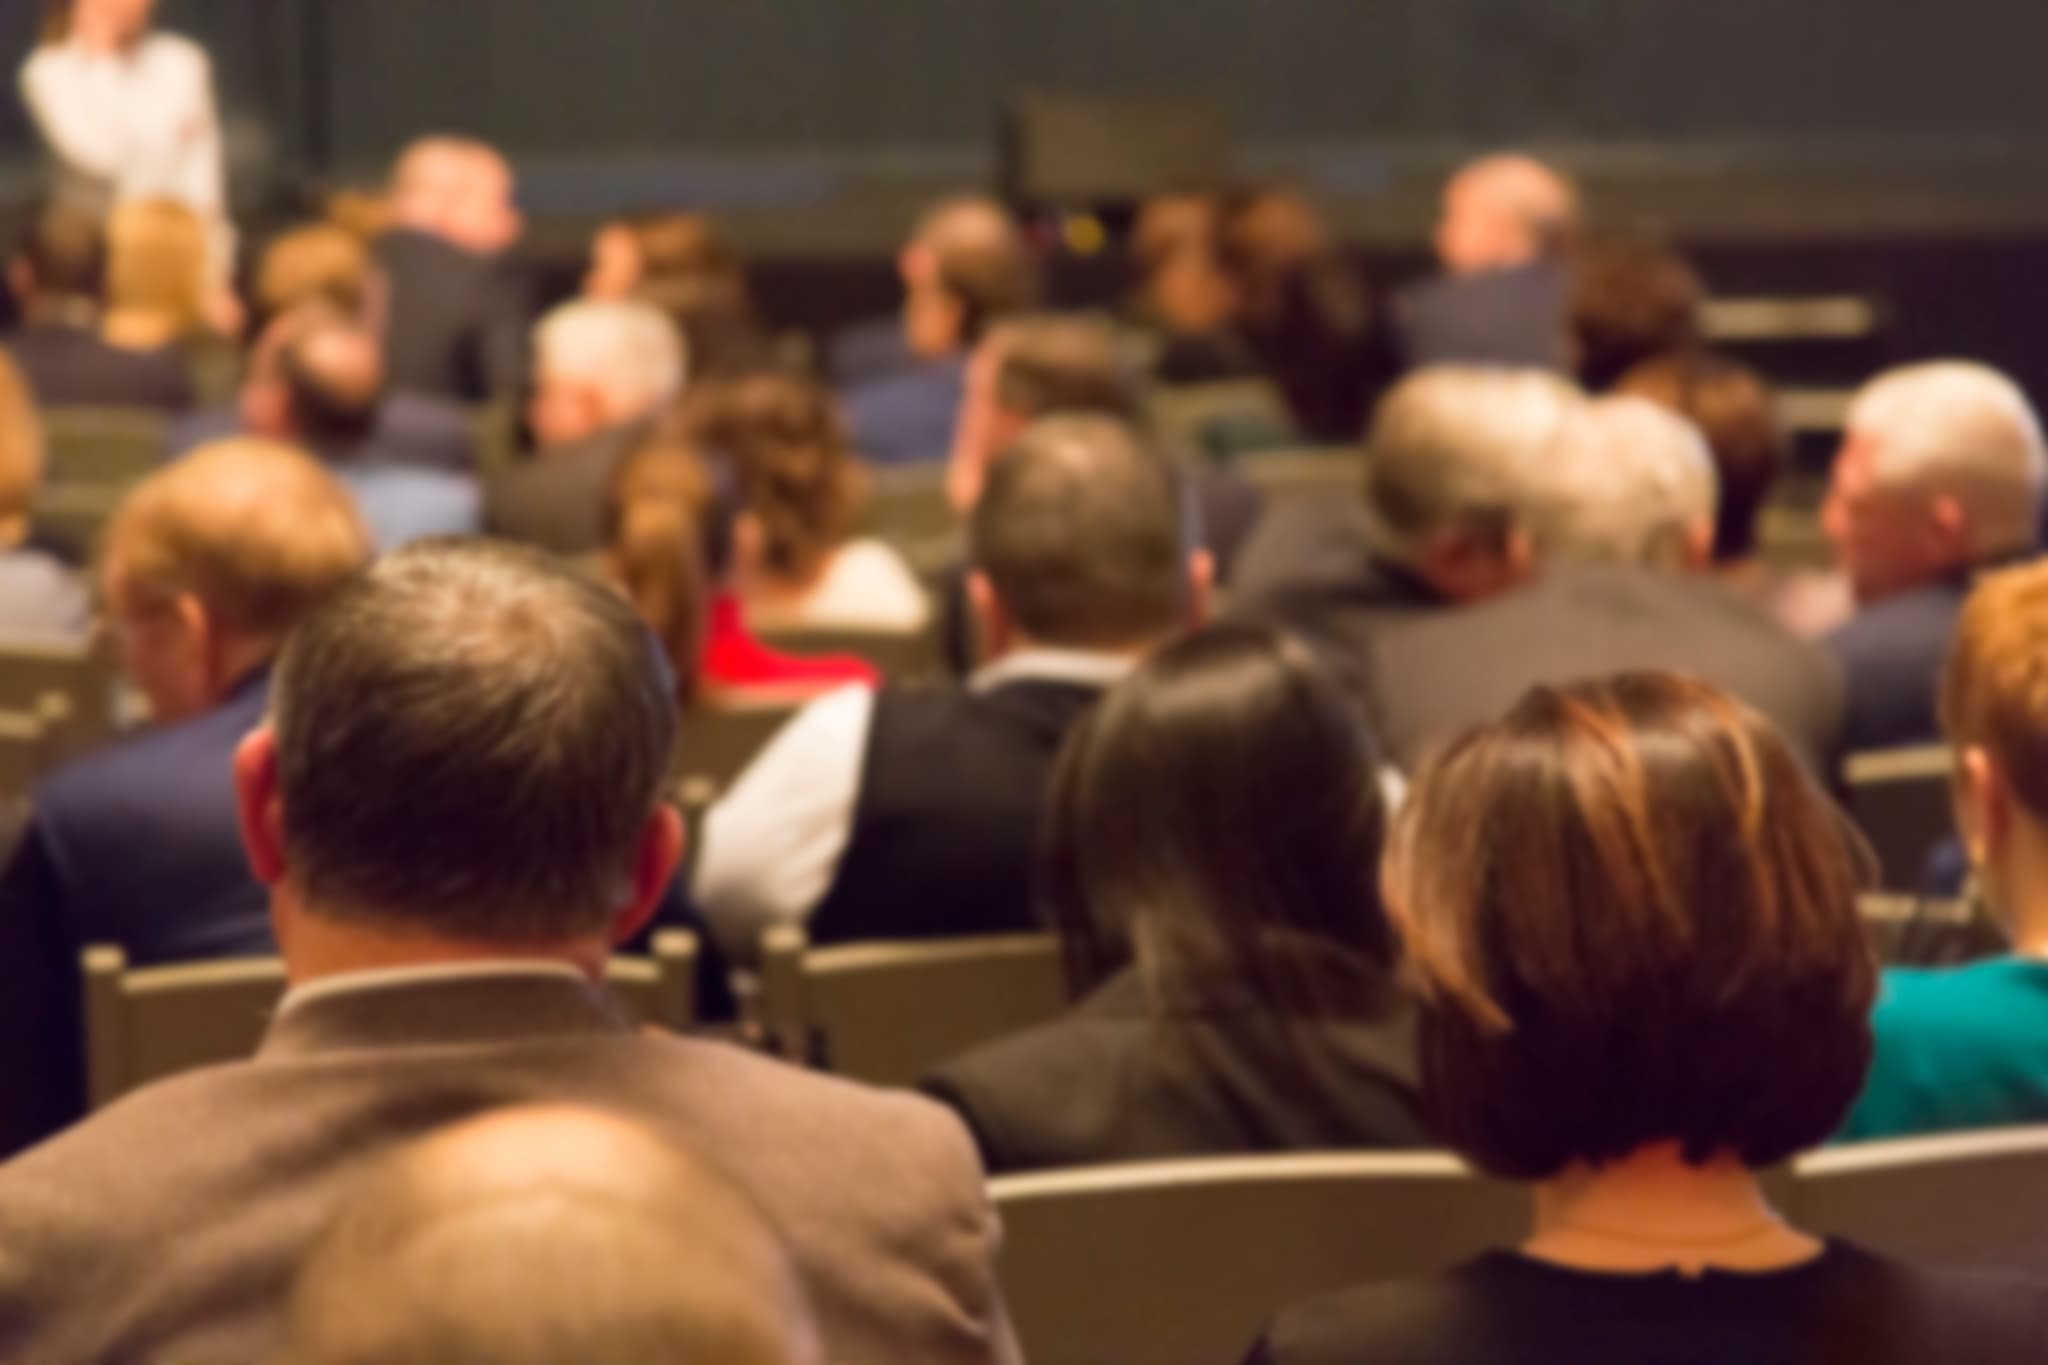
{"x": 902, "y": 656}
{"x": 908, "y": 505}
{"x": 102, "y": 447}
{"x": 888, "y": 1013}
{"x": 1900, "y": 800}
{"x": 1308, "y": 471}
{"x": 1222, "y": 420}
{"x": 80, "y": 676}
{"x": 76, "y": 515}
{"x": 24, "y": 753}
{"x": 1183, "y": 1262}
{"x": 718, "y": 742}
{"x": 1965, "y": 1201}
{"x": 660, "y": 988}
{"x": 1931, "y": 931}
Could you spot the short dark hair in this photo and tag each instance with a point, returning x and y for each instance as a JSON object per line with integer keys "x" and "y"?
{"x": 1062, "y": 364}
{"x": 1734, "y": 409}
{"x": 1632, "y": 918}
{"x": 1081, "y": 532}
{"x": 1632, "y": 297}
{"x": 66, "y": 252}
{"x": 471, "y": 737}
{"x": 330, "y": 406}
{"x": 1272, "y": 892}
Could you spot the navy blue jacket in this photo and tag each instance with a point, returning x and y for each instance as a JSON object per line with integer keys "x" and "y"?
{"x": 1892, "y": 654}
{"x": 907, "y": 418}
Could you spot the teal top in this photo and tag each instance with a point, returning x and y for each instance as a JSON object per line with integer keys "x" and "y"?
{"x": 1957, "y": 1047}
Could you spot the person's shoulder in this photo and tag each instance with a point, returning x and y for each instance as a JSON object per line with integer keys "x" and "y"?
{"x": 1908, "y": 625}
{"x": 133, "y": 767}
{"x": 163, "y": 45}
{"x": 1976, "y": 997}
{"x": 1989, "y": 1316}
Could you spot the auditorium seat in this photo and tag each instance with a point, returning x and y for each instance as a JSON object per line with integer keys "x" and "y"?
{"x": 25, "y": 745}
{"x": 101, "y": 447}
{"x": 1222, "y": 421}
{"x": 1965, "y": 1200}
{"x": 902, "y": 656}
{"x": 888, "y": 1013}
{"x": 719, "y": 740}
{"x": 1182, "y": 1262}
{"x": 1930, "y": 931}
{"x": 81, "y": 680}
{"x": 1304, "y": 472}
{"x": 1900, "y": 799}
{"x": 145, "y": 1024}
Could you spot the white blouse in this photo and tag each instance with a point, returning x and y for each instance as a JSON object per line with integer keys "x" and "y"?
{"x": 133, "y": 125}
{"x": 865, "y": 586}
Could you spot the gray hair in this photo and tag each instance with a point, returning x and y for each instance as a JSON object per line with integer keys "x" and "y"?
{"x": 471, "y": 738}
{"x": 1626, "y": 482}
{"x": 1961, "y": 430}
{"x": 629, "y": 350}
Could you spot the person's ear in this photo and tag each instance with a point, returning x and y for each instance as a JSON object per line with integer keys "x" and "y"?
{"x": 206, "y": 646}
{"x": 1201, "y": 588}
{"x": 1699, "y": 547}
{"x": 655, "y": 860}
{"x": 994, "y": 628}
{"x": 1951, "y": 527}
{"x": 259, "y": 806}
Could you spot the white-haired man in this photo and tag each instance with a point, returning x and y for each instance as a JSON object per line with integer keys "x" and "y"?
{"x": 1940, "y": 475}
{"x": 602, "y": 372}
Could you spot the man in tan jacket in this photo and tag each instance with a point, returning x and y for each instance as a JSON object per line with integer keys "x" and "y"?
{"x": 455, "y": 806}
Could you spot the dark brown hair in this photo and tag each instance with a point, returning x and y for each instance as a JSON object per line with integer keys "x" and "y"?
{"x": 1632, "y": 297}
{"x": 1734, "y": 409}
{"x": 1063, "y": 364}
{"x": 659, "y": 553}
{"x": 797, "y": 472}
{"x": 1631, "y": 916}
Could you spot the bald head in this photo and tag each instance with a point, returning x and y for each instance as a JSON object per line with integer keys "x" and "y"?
{"x": 966, "y": 265}
{"x": 547, "y": 1237}
{"x": 1503, "y": 211}
{"x": 458, "y": 189}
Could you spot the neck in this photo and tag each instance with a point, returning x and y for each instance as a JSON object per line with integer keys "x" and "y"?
{"x": 2020, "y": 884}
{"x": 138, "y": 328}
{"x": 318, "y": 946}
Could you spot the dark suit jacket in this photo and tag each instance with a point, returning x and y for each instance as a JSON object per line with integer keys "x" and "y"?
{"x": 1110, "y": 1082}
{"x": 135, "y": 845}
{"x": 1504, "y": 317}
{"x": 412, "y": 429}
{"x": 1892, "y": 654}
{"x": 168, "y": 1227}
{"x": 557, "y": 498}
{"x": 1430, "y": 676}
{"x": 458, "y": 320}
{"x": 70, "y": 367}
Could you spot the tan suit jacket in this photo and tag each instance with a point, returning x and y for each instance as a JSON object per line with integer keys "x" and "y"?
{"x": 167, "y": 1228}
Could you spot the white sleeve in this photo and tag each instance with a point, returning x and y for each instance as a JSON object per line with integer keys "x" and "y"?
{"x": 772, "y": 846}
{"x": 76, "y": 109}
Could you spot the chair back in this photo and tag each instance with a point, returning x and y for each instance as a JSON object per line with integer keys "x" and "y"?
{"x": 1305, "y": 472}
{"x": 24, "y": 751}
{"x": 75, "y": 516}
{"x": 1222, "y": 420}
{"x": 70, "y": 686}
{"x": 1930, "y": 931}
{"x": 902, "y": 656}
{"x": 719, "y": 741}
{"x": 889, "y": 1013}
{"x": 101, "y": 447}
{"x": 144, "y": 1024}
{"x": 907, "y": 504}
{"x": 1962, "y": 1201}
{"x": 1900, "y": 800}
{"x": 1183, "y": 1262}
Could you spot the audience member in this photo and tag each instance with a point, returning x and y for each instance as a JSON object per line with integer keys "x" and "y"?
{"x": 966, "y": 266}
{"x": 602, "y": 374}
{"x": 319, "y": 263}
{"x": 456, "y": 806}
{"x": 40, "y": 598}
{"x": 1967, "y": 1047}
{"x": 913, "y": 813}
{"x": 1239, "y": 967}
{"x": 1940, "y": 475}
{"x": 1507, "y": 222}
{"x": 458, "y": 312}
{"x": 156, "y": 279}
{"x": 683, "y": 265}
{"x": 796, "y": 561}
{"x": 1619, "y": 525}
{"x": 209, "y": 564}
{"x": 547, "y": 1237}
{"x": 1633, "y": 298}
{"x": 1186, "y": 300}
{"x": 1621, "y": 902}
{"x": 57, "y": 276}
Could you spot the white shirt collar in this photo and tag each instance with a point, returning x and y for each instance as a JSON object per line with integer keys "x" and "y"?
{"x": 1084, "y": 667}
{"x": 389, "y": 978}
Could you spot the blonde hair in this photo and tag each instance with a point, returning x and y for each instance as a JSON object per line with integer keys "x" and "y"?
{"x": 316, "y": 263}
{"x": 157, "y": 263}
{"x": 21, "y": 451}
{"x": 256, "y": 530}
{"x": 1994, "y": 690}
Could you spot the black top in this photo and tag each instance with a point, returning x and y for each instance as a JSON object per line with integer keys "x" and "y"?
{"x": 1845, "y": 1308}
{"x": 1516, "y": 317}
{"x": 71, "y": 367}
{"x": 458, "y": 320}
{"x": 1114, "y": 1081}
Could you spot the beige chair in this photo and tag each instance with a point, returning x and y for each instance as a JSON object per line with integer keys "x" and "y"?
{"x": 1222, "y": 420}
{"x": 1900, "y": 799}
{"x": 902, "y": 656}
{"x": 81, "y": 679}
{"x": 1966, "y": 1201}
{"x": 144, "y": 1024}
{"x": 24, "y": 751}
{"x": 719, "y": 741}
{"x": 888, "y": 1013}
{"x": 102, "y": 447}
{"x": 77, "y": 514}
{"x": 1183, "y": 1262}
{"x": 1307, "y": 472}
{"x": 908, "y": 505}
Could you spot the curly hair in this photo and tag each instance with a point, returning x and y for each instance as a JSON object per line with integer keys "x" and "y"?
{"x": 797, "y": 472}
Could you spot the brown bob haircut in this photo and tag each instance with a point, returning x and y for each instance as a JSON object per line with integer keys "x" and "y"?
{"x": 1994, "y": 691}
{"x": 1631, "y": 917}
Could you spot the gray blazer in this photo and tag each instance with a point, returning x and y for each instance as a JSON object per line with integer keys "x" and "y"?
{"x": 557, "y": 498}
{"x": 168, "y": 1227}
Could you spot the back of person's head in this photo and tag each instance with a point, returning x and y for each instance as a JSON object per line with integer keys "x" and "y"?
{"x": 602, "y": 364}
{"x": 1452, "y": 456}
{"x": 62, "y": 258}
{"x": 459, "y": 189}
{"x": 515, "y": 698}
{"x": 332, "y": 373}
{"x": 1273, "y": 890}
{"x": 1632, "y": 919}
{"x": 1633, "y": 297}
{"x": 1942, "y": 467}
{"x": 157, "y": 263}
{"x": 21, "y": 453}
{"x": 547, "y": 1237}
{"x": 1624, "y": 482}
{"x": 967, "y": 265}
{"x": 315, "y": 263}
{"x": 1505, "y": 210}
{"x": 799, "y": 480}
{"x": 667, "y": 547}
{"x": 1290, "y": 283}
{"x": 1080, "y": 539}
{"x": 683, "y": 264}
{"x": 1062, "y": 363}
{"x": 1736, "y": 413}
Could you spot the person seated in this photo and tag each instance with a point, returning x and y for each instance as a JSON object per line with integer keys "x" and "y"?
{"x": 913, "y": 812}
{"x": 1967, "y": 1047}
{"x": 458, "y": 315}
{"x": 683, "y": 265}
{"x": 1238, "y": 967}
{"x": 1618, "y": 521}
{"x": 208, "y": 565}
{"x": 1186, "y": 301}
{"x": 547, "y": 1236}
{"x": 58, "y": 277}
{"x": 1940, "y": 475}
{"x": 316, "y": 380}
{"x": 321, "y": 264}
{"x": 1633, "y": 298}
{"x": 41, "y": 599}
{"x": 1632, "y": 921}
{"x": 796, "y": 560}
{"x": 669, "y": 548}
{"x": 967, "y": 266}
{"x": 603, "y": 373}
{"x": 1508, "y": 221}
{"x": 160, "y": 303}
{"x": 456, "y": 804}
